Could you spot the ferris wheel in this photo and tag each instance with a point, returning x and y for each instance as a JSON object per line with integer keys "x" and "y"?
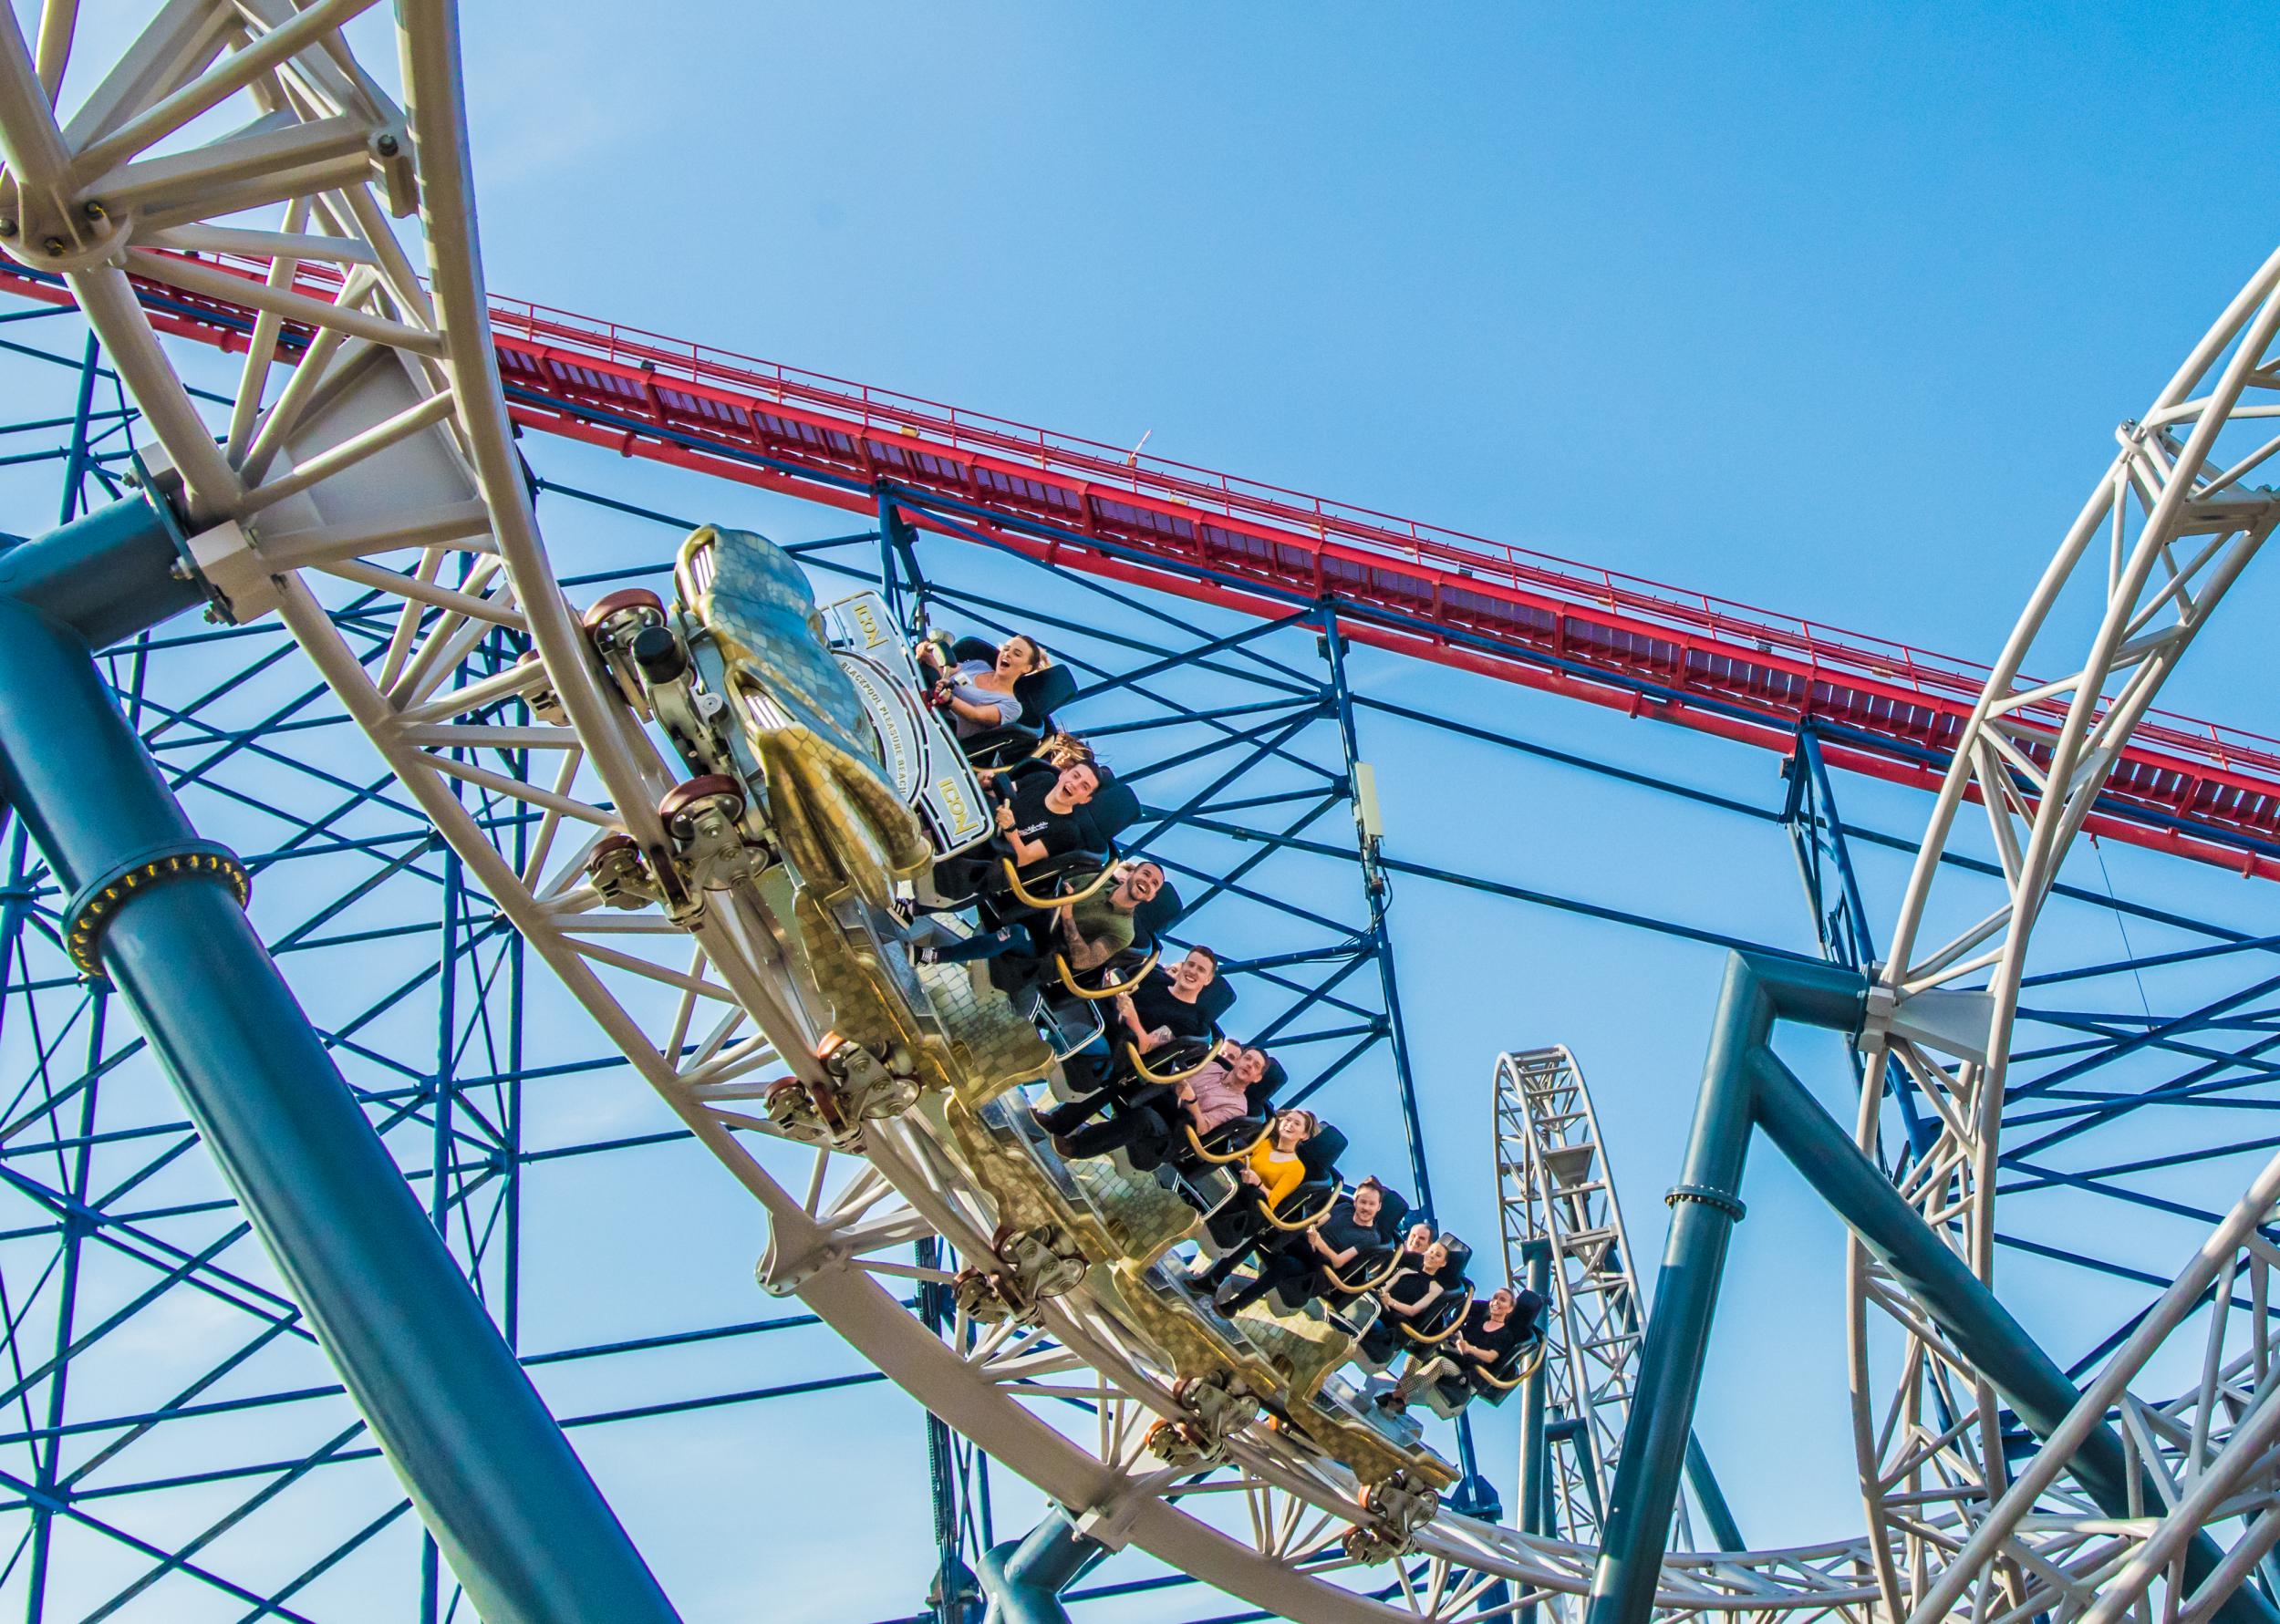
{"x": 242, "y": 151}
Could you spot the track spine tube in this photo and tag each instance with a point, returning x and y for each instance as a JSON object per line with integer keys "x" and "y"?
{"x": 526, "y": 1531}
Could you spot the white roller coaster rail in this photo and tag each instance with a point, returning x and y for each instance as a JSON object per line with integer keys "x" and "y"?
{"x": 1555, "y": 1186}
{"x": 2166, "y": 531}
{"x": 382, "y": 463}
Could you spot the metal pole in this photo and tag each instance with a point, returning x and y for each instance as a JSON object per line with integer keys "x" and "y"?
{"x": 1382, "y": 950}
{"x": 1413, "y": 1130}
{"x": 1814, "y": 803}
{"x": 524, "y": 1527}
{"x": 47, "y": 1455}
{"x": 952, "y": 1581}
{"x": 898, "y": 559}
{"x": 1705, "y": 1205}
{"x": 76, "y": 460}
{"x": 1024, "y": 1582}
{"x": 1535, "y": 1492}
{"x": 1711, "y": 1498}
{"x": 439, "y": 1161}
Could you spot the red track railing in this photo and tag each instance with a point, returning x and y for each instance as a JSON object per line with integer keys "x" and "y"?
{"x": 2188, "y": 786}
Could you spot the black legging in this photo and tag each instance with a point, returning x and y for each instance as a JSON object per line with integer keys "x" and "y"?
{"x": 1141, "y": 1130}
{"x": 1238, "y": 1229}
{"x": 1289, "y": 1265}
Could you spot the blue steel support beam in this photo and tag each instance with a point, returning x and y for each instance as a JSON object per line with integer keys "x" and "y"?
{"x": 1841, "y": 923}
{"x": 1024, "y": 1582}
{"x": 524, "y": 1527}
{"x": 898, "y": 563}
{"x": 1413, "y": 1130}
{"x": 1746, "y": 1089}
{"x": 1710, "y": 1499}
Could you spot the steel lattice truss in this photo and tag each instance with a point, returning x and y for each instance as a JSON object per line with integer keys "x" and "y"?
{"x": 1557, "y": 1189}
{"x": 422, "y": 990}
{"x": 418, "y": 813}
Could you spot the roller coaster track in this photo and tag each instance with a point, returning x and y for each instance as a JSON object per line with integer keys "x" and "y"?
{"x": 1883, "y": 709}
{"x": 381, "y": 460}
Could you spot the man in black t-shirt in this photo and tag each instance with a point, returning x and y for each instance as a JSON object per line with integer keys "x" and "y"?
{"x": 1334, "y": 1247}
{"x": 1164, "y": 1009}
{"x": 1039, "y": 819}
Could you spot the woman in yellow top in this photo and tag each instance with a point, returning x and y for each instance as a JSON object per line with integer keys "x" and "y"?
{"x": 1273, "y": 1166}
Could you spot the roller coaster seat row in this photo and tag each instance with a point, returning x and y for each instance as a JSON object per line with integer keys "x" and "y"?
{"x": 829, "y": 783}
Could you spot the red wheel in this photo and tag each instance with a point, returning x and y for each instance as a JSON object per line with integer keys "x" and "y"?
{"x": 681, "y": 797}
{"x": 618, "y": 603}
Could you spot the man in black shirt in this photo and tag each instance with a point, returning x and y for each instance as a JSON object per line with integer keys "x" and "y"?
{"x": 1039, "y": 819}
{"x": 1335, "y": 1245}
{"x": 1163, "y": 1008}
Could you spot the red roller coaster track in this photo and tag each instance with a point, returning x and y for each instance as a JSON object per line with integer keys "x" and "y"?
{"x": 1883, "y": 709}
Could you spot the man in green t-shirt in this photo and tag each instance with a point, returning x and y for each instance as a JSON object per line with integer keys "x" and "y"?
{"x": 1100, "y": 927}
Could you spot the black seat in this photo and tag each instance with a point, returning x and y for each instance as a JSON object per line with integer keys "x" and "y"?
{"x": 1040, "y": 694}
{"x": 1153, "y": 918}
{"x": 1114, "y": 808}
{"x": 1392, "y": 1213}
{"x": 1437, "y": 1324}
{"x": 1319, "y": 1155}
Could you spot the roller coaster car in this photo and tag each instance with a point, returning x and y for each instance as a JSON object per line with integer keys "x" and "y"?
{"x": 1040, "y": 694}
{"x": 829, "y": 785}
{"x": 719, "y": 698}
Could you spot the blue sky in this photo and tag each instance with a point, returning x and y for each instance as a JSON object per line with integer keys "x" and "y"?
{"x": 1831, "y": 309}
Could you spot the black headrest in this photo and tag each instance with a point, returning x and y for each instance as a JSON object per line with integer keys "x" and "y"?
{"x": 1028, "y": 767}
{"x": 1319, "y": 1155}
{"x": 1271, "y": 1082}
{"x": 1113, "y": 809}
{"x": 1153, "y": 918}
{"x": 1217, "y": 999}
{"x": 1459, "y": 1255}
{"x": 974, "y": 648}
{"x": 1392, "y": 1212}
{"x": 1042, "y": 692}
